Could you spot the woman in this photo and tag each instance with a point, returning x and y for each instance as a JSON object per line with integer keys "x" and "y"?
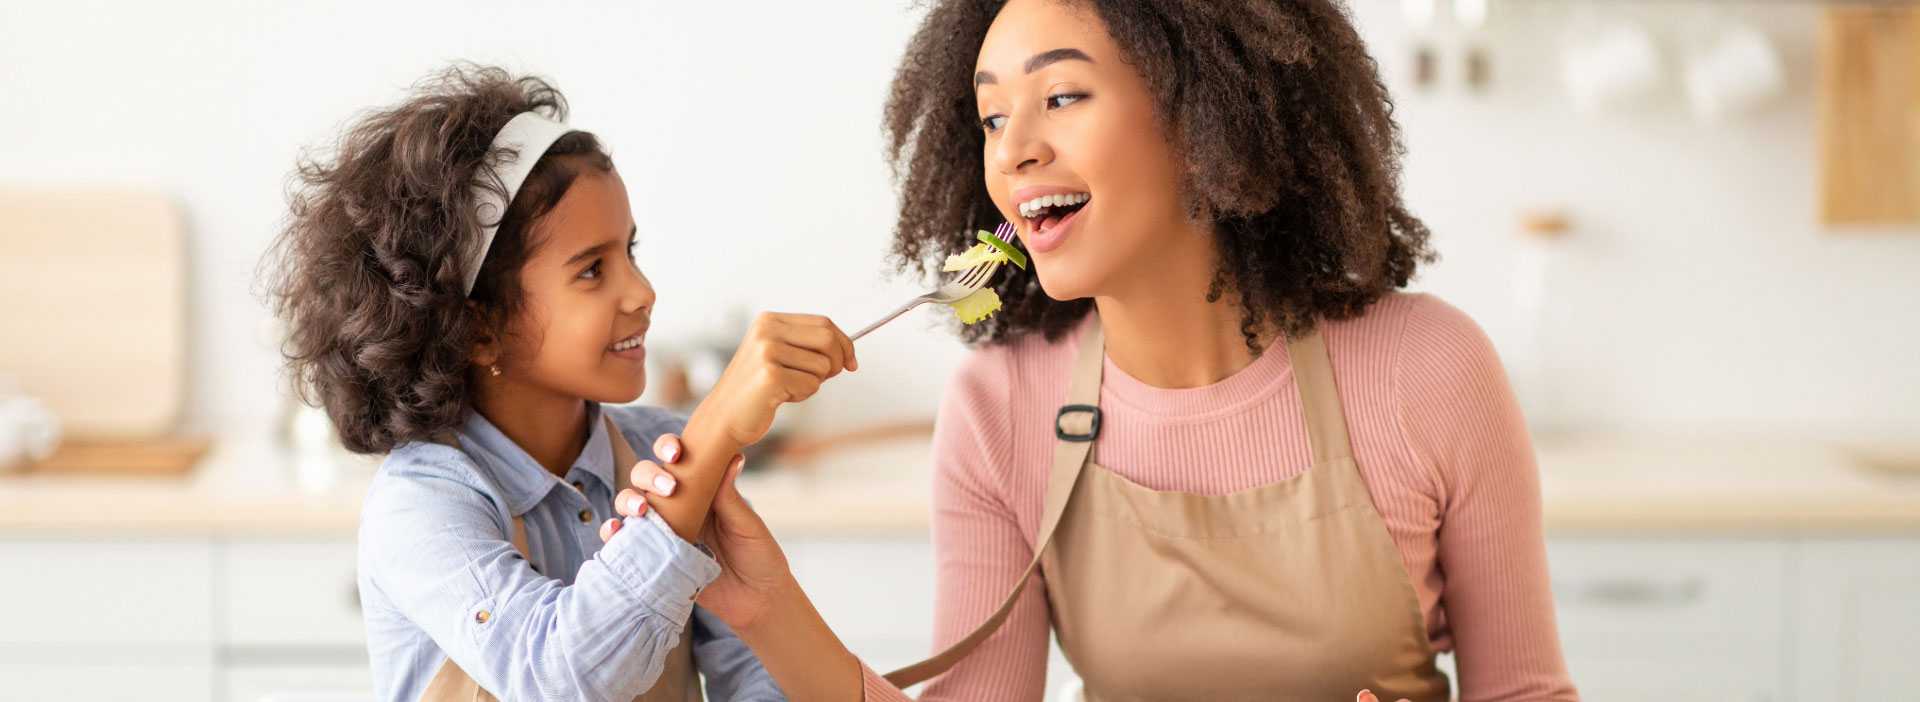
{"x": 1282, "y": 479}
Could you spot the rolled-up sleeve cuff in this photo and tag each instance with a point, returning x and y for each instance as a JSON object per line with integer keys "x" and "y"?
{"x": 661, "y": 571}
{"x": 874, "y": 688}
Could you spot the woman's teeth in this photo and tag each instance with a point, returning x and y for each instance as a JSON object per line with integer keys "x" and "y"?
{"x": 629, "y": 343}
{"x": 1037, "y": 206}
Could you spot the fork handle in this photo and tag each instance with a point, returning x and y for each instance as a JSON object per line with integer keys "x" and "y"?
{"x": 895, "y": 314}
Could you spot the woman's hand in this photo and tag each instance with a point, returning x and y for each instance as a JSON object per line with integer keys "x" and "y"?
{"x": 753, "y": 569}
{"x": 784, "y": 358}
{"x": 755, "y": 593}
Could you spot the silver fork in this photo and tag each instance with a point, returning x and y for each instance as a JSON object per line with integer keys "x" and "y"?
{"x": 969, "y": 283}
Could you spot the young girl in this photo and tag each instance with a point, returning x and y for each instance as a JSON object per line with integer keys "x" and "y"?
{"x": 460, "y": 288}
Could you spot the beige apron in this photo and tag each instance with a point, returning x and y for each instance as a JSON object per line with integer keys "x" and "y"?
{"x": 1290, "y": 590}
{"x": 679, "y": 681}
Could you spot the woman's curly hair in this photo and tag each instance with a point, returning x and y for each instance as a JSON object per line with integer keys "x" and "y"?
{"x": 1292, "y": 155}
{"x": 368, "y": 273}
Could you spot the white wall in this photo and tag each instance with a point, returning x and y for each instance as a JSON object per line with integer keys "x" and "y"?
{"x": 1707, "y": 296}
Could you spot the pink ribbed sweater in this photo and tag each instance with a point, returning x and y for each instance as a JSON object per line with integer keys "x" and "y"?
{"x": 1436, "y": 432}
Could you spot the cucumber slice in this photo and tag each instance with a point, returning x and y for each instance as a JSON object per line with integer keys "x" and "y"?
{"x": 1013, "y": 255}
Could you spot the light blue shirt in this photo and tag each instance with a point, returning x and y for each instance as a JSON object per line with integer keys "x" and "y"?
{"x": 580, "y": 621}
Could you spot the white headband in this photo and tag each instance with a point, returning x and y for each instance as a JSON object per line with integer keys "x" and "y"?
{"x": 526, "y": 138}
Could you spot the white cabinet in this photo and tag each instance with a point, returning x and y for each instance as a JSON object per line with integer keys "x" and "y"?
{"x": 876, "y": 593}
{"x": 290, "y": 594}
{"x": 113, "y": 593}
{"x": 1658, "y": 619}
{"x": 192, "y": 618}
{"x": 298, "y": 683}
{"x": 1858, "y": 624}
{"x": 103, "y": 679}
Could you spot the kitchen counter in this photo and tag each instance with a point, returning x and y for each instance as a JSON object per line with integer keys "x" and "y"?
{"x": 1588, "y": 486}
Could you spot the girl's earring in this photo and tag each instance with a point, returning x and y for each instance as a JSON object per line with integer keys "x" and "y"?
{"x": 495, "y": 368}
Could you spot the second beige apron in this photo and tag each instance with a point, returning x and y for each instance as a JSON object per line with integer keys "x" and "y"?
{"x": 1291, "y": 590}
{"x": 679, "y": 681}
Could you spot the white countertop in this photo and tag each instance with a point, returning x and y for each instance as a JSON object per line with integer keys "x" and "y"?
{"x": 1588, "y": 486}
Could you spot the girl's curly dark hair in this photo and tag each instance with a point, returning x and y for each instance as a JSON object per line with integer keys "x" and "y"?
{"x": 1292, "y": 155}
{"x": 367, "y": 274}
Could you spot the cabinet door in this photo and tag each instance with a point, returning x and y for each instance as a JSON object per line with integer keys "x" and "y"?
{"x": 1858, "y": 619}
{"x": 876, "y": 593}
{"x": 297, "y": 593}
{"x": 121, "y": 593}
{"x": 1667, "y": 619}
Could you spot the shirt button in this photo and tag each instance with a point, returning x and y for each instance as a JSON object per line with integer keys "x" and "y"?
{"x": 482, "y": 616}
{"x": 586, "y": 515}
{"x": 580, "y": 486}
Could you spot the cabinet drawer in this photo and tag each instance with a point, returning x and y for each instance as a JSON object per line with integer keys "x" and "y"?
{"x": 290, "y": 593}
{"x": 108, "y": 682}
{"x": 298, "y": 683}
{"x": 1659, "y": 619}
{"x": 1663, "y": 588}
{"x": 121, "y": 592}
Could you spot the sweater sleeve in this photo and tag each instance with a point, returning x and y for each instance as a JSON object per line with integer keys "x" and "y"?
{"x": 1463, "y": 422}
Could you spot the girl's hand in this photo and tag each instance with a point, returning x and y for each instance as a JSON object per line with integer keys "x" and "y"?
{"x": 753, "y": 569}
{"x": 784, "y": 358}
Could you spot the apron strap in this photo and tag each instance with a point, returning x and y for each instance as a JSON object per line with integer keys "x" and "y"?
{"x": 623, "y": 458}
{"x": 1319, "y": 398}
{"x": 1075, "y": 430}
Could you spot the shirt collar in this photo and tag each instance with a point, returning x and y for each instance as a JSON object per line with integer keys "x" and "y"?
{"x": 522, "y": 481}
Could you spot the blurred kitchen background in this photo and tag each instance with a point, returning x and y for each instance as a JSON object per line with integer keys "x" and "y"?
{"x": 1692, "y": 227}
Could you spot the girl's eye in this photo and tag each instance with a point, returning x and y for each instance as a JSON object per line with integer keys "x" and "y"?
{"x": 1063, "y": 100}
{"x": 592, "y": 271}
{"x": 633, "y": 248}
{"x": 992, "y": 123}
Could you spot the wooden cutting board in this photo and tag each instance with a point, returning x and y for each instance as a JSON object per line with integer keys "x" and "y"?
{"x": 1869, "y": 115}
{"x": 93, "y": 287}
{"x": 172, "y": 455}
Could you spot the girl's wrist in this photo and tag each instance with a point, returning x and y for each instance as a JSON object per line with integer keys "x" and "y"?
{"x": 706, "y": 433}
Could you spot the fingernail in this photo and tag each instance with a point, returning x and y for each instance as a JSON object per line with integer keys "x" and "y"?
{"x": 739, "y": 465}
{"x": 672, "y": 453}
{"x": 664, "y": 483}
{"x": 633, "y": 504}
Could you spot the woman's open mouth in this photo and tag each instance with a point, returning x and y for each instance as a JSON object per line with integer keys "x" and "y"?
{"x": 1047, "y": 211}
{"x": 1050, "y": 218}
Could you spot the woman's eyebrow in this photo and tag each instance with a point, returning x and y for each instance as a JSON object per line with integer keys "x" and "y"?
{"x": 1037, "y": 62}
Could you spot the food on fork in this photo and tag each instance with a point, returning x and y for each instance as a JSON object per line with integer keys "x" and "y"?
{"x": 984, "y": 302}
{"x": 991, "y": 248}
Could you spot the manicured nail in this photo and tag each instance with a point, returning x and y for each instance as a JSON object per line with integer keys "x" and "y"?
{"x": 671, "y": 452}
{"x": 633, "y": 505}
{"x": 664, "y": 483}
